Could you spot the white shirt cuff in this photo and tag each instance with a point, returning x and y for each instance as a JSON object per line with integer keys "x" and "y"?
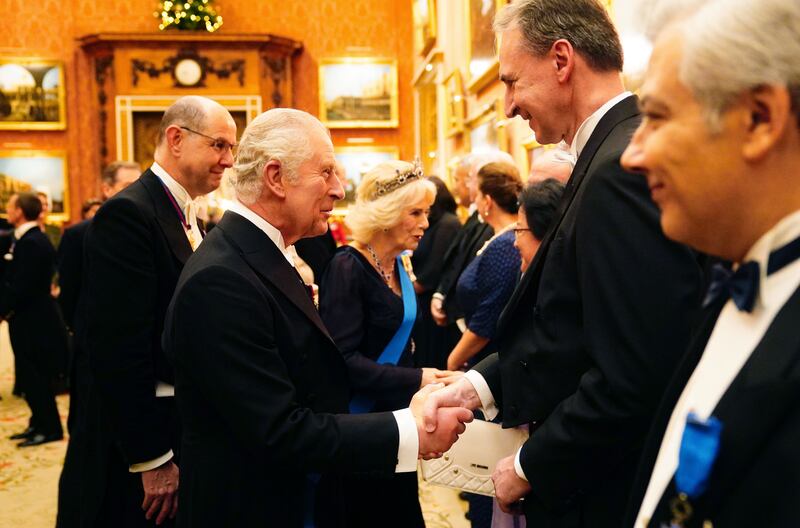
{"x": 408, "y": 446}
{"x": 488, "y": 405}
{"x": 439, "y": 296}
{"x": 151, "y": 464}
{"x": 518, "y": 466}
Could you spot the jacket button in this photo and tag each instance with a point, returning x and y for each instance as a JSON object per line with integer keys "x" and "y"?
{"x": 523, "y": 364}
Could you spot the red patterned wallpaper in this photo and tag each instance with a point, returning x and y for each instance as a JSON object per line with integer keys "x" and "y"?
{"x": 327, "y": 28}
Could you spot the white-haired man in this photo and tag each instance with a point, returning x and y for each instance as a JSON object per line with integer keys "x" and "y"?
{"x": 592, "y": 333}
{"x": 261, "y": 384}
{"x": 720, "y": 149}
{"x": 555, "y": 163}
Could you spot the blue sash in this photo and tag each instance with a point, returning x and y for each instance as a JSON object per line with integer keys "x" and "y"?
{"x": 362, "y": 403}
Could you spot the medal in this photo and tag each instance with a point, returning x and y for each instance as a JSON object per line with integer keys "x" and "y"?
{"x": 405, "y": 258}
{"x": 698, "y": 452}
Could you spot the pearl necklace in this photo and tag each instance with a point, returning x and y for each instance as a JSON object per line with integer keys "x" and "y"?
{"x": 387, "y": 277}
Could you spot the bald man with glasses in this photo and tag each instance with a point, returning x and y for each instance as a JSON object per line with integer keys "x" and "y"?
{"x": 136, "y": 248}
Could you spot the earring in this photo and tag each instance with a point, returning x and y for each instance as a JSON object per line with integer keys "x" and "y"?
{"x": 486, "y": 213}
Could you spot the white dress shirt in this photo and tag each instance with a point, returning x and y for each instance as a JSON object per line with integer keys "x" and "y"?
{"x": 586, "y": 129}
{"x": 188, "y": 206}
{"x": 408, "y": 446}
{"x": 584, "y": 132}
{"x": 734, "y": 338}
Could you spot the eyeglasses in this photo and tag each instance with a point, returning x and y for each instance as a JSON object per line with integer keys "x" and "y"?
{"x": 519, "y": 230}
{"x": 219, "y": 145}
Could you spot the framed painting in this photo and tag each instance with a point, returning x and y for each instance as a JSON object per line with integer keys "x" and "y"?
{"x": 356, "y": 162}
{"x": 454, "y": 104}
{"x": 482, "y": 64}
{"x": 424, "y": 12}
{"x": 358, "y": 93}
{"x": 487, "y": 129}
{"x": 32, "y": 94}
{"x": 36, "y": 171}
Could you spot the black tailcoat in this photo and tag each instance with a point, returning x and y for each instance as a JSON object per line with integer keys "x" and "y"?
{"x": 257, "y": 378}
{"x": 135, "y": 250}
{"x": 591, "y": 336}
{"x": 755, "y": 480}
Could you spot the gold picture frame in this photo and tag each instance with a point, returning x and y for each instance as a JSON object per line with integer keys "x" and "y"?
{"x": 356, "y": 162}
{"x": 358, "y": 92}
{"x": 424, "y": 13}
{"x": 487, "y": 129}
{"x": 455, "y": 104}
{"x": 32, "y": 94}
{"x": 482, "y": 62}
{"x": 35, "y": 171}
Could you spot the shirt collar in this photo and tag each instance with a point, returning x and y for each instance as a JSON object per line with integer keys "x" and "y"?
{"x": 20, "y": 231}
{"x": 781, "y": 234}
{"x": 586, "y": 129}
{"x": 180, "y": 194}
{"x": 271, "y": 231}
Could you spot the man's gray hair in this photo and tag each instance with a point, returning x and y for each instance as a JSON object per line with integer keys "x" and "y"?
{"x": 661, "y": 14}
{"x": 481, "y": 159}
{"x": 280, "y": 134}
{"x": 465, "y": 161}
{"x": 584, "y": 23}
{"x": 189, "y": 111}
{"x": 732, "y": 46}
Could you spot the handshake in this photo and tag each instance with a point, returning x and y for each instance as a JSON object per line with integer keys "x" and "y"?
{"x": 440, "y": 420}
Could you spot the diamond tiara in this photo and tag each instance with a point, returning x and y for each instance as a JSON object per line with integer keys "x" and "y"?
{"x": 401, "y": 179}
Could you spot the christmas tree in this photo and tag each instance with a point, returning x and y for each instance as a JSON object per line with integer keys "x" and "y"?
{"x": 190, "y": 14}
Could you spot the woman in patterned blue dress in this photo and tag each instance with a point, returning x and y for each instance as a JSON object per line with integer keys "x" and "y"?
{"x": 487, "y": 283}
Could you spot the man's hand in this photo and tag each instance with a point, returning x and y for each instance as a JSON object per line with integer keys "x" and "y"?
{"x": 458, "y": 394}
{"x": 437, "y": 311}
{"x": 432, "y": 375}
{"x": 508, "y": 487}
{"x": 449, "y": 377}
{"x": 161, "y": 492}
{"x": 451, "y": 424}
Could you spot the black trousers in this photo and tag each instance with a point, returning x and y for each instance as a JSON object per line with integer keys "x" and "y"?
{"x": 34, "y": 366}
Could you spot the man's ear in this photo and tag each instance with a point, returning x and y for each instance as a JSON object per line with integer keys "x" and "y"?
{"x": 563, "y": 56}
{"x": 273, "y": 178}
{"x": 173, "y": 136}
{"x": 768, "y": 114}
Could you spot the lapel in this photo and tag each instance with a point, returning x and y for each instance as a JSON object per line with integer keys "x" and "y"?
{"x": 755, "y": 404}
{"x": 264, "y": 257}
{"x": 623, "y": 110}
{"x": 759, "y": 397}
{"x": 458, "y": 242}
{"x": 699, "y": 340}
{"x": 167, "y": 217}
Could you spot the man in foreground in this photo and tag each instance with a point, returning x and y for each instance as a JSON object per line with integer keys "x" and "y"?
{"x": 260, "y": 384}
{"x": 720, "y": 149}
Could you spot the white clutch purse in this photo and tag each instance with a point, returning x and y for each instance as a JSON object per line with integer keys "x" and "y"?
{"x": 469, "y": 464}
